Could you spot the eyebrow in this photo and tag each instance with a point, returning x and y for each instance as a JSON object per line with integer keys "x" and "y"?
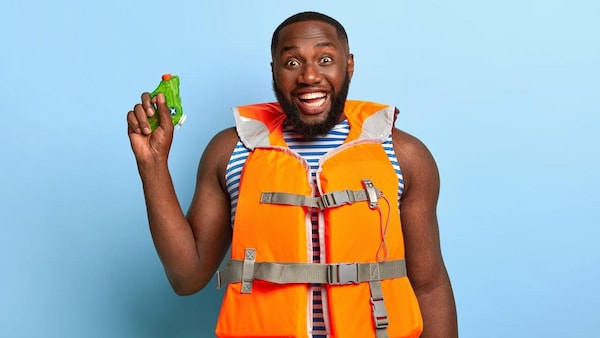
{"x": 318, "y": 45}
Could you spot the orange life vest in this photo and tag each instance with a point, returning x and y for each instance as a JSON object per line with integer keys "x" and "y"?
{"x": 270, "y": 272}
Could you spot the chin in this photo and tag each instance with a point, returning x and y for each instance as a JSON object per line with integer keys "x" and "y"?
{"x": 314, "y": 118}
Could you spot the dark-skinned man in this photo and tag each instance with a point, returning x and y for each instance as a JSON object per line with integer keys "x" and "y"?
{"x": 329, "y": 210}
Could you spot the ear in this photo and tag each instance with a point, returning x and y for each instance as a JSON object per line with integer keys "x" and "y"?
{"x": 350, "y": 65}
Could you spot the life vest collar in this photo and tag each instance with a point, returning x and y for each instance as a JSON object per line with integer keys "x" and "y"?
{"x": 260, "y": 125}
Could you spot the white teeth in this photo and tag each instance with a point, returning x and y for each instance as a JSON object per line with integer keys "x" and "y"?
{"x": 311, "y": 96}
{"x": 316, "y": 103}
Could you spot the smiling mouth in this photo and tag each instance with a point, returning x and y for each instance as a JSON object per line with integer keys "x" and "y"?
{"x": 312, "y": 101}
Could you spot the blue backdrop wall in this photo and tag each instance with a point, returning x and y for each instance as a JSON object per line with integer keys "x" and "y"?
{"x": 504, "y": 93}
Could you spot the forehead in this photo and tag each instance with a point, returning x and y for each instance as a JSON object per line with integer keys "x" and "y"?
{"x": 313, "y": 32}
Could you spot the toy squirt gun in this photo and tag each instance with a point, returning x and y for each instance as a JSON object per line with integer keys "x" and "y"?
{"x": 169, "y": 86}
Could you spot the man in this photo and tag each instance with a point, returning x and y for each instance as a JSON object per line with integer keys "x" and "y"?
{"x": 330, "y": 211}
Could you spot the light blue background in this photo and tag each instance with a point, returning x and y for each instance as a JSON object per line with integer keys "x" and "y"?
{"x": 504, "y": 93}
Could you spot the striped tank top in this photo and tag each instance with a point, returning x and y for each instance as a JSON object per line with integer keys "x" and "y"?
{"x": 311, "y": 151}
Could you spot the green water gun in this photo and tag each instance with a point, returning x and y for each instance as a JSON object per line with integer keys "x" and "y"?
{"x": 169, "y": 86}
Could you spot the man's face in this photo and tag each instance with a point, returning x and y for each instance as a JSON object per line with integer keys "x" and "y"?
{"x": 311, "y": 74}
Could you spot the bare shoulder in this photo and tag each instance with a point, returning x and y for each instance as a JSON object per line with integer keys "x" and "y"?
{"x": 223, "y": 141}
{"x": 416, "y": 161}
{"x": 217, "y": 153}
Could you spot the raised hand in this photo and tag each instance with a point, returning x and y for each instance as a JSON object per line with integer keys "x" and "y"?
{"x": 150, "y": 146}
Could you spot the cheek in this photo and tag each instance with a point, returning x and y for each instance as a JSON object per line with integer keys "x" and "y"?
{"x": 336, "y": 77}
{"x": 284, "y": 81}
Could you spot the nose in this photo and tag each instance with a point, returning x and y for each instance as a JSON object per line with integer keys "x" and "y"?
{"x": 310, "y": 74}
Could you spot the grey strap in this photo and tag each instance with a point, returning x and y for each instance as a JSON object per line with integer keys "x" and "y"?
{"x": 248, "y": 270}
{"x": 380, "y": 316}
{"x": 333, "y": 274}
{"x": 337, "y": 198}
{"x": 288, "y": 199}
{"x": 328, "y": 200}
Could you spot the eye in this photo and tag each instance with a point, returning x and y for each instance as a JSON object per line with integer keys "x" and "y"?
{"x": 292, "y": 63}
{"x": 326, "y": 59}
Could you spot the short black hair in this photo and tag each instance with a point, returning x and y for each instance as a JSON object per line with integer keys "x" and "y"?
{"x": 309, "y": 16}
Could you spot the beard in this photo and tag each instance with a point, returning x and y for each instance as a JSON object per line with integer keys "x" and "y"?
{"x": 311, "y": 130}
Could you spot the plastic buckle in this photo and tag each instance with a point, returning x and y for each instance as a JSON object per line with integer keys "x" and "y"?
{"x": 343, "y": 273}
{"x": 343, "y": 197}
{"x": 326, "y": 201}
{"x": 379, "y": 313}
{"x": 336, "y": 198}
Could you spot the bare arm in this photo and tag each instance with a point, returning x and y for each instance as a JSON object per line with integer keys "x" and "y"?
{"x": 190, "y": 248}
{"x": 426, "y": 269}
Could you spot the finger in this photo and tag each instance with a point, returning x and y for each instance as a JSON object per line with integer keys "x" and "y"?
{"x": 164, "y": 112}
{"x": 142, "y": 119}
{"x": 147, "y": 103}
{"x": 132, "y": 123}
